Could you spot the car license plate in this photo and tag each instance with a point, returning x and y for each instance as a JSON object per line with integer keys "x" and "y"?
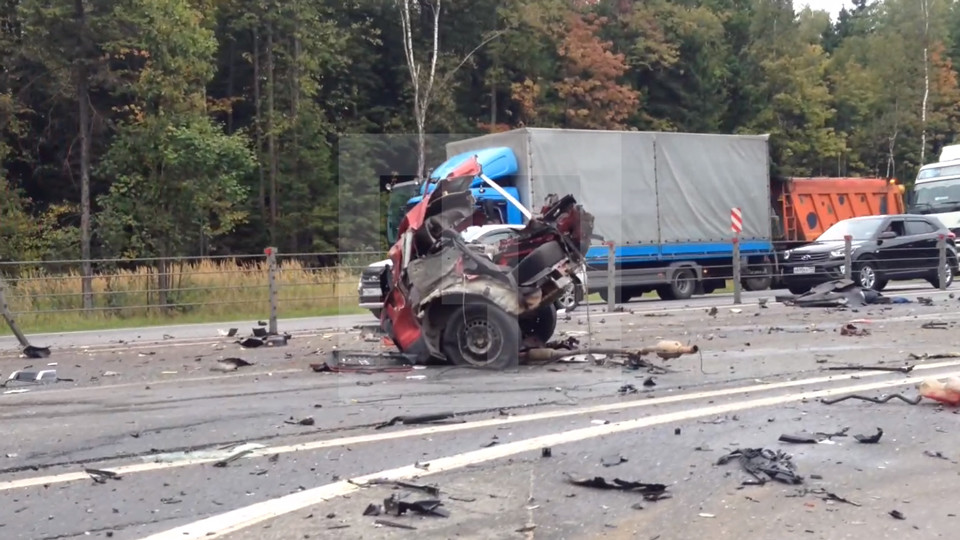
{"x": 803, "y": 270}
{"x": 371, "y": 292}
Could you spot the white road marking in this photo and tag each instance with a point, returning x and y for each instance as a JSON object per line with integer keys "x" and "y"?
{"x": 221, "y": 525}
{"x": 479, "y": 424}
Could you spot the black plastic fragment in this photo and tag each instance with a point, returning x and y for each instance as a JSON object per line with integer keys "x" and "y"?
{"x": 765, "y": 465}
{"x": 372, "y": 510}
{"x": 418, "y": 419}
{"x": 650, "y": 492}
{"x": 911, "y": 401}
{"x": 546, "y": 452}
{"x": 394, "y": 506}
{"x": 101, "y": 476}
{"x": 897, "y": 514}
{"x": 394, "y": 524}
{"x": 870, "y": 439}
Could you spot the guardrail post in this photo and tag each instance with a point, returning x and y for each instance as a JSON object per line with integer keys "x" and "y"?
{"x": 942, "y": 264}
{"x": 737, "y": 286}
{"x": 273, "y": 285}
{"x": 611, "y": 276}
{"x": 848, "y": 257}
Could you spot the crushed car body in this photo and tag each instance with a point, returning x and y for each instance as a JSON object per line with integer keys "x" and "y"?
{"x": 472, "y": 304}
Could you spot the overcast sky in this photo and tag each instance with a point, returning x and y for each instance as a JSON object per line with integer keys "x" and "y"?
{"x": 830, "y": 6}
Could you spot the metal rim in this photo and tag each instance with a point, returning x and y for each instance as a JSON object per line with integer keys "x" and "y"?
{"x": 477, "y": 339}
{"x": 684, "y": 281}
{"x": 948, "y": 273}
{"x": 569, "y": 299}
{"x": 868, "y": 278}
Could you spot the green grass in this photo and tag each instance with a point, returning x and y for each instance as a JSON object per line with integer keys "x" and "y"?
{"x": 202, "y": 292}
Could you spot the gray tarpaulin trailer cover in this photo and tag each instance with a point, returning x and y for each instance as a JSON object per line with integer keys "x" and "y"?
{"x": 645, "y": 187}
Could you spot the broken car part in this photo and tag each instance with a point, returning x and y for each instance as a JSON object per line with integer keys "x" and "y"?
{"x": 365, "y": 362}
{"x": 870, "y": 439}
{"x": 880, "y": 400}
{"x": 453, "y": 302}
{"x": 902, "y": 369}
{"x": 664, "y": 349}
{"x": 101, "y": 476}
{"x": 765, "y": 465}
{"x": 416, "y": 419}
{"x": 393, "y": 505}
{"x": 811, "y": 438}
{"x": 395, "y": 525}
{"x": 649, "y": 491}
{"x": 30, "y": 351}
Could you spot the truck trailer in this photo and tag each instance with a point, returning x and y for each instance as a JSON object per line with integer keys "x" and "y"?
{"x": 662, "y": 200}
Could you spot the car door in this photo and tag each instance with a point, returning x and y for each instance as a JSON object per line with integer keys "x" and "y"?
{"x": 894, "y": 253}
{"x": 922, "y": 236}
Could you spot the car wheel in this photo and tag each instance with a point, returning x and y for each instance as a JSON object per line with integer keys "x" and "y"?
{"x": 570, "y": 299}
{"x": 481, "y": 335}
{"x": 540, "y": 325}
{"x": 881, "y": 284}
{"x": 798, "y": 289}
{"x": 866, "y": 274}
{"x": 948, "y": 269}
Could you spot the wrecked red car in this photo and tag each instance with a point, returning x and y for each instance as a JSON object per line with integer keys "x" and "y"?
{"x": 455, "y": 302}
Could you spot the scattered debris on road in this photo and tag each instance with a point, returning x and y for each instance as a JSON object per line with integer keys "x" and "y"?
{"x": 650, "y": 492}
{"x": 29, "y": 351}
{"x": 230, "y": 364}
{"x": 395, "y": 525}
{"x": 838, "y": 293}
{"x": 37, "y": 377}
{"x": 417, "y": 419}
{"x": 901, "y": 369}
{"x": 812, "y": 438}
{"x": 850, "y": 329}
{"x": 937, "y": 455}
{"x": 101, "y": 476}
{"x": 308, "y": 421}
{"x": 880, "y": 400}
{"x": 823, "y": 494}
{"x": 395, "y": 506}
{"x": 546, "y": 452}
{"x": 765, "y": 465}
{"x": 612, "y": 460}
{"x": 870, "y": 439}
{"x": 934, "y": 325}
{"x": 897, "y": 514}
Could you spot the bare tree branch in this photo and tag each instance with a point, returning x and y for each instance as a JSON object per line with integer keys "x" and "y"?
{"x": 470, "y": 54}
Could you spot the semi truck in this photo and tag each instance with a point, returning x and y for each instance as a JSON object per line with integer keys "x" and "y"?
{"x": 662, "y": 200}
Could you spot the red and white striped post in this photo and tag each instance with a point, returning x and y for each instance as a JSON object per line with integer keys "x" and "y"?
{"x": 736, "y": 227}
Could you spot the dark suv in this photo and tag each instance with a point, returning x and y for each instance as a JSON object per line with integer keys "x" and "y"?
{"x": 883, "y": 248}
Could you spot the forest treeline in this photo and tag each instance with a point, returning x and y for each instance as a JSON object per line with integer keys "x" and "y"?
{"x": 141, "y": 128}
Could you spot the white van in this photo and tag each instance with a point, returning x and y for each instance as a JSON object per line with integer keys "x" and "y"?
{"x": 937, "y": 189}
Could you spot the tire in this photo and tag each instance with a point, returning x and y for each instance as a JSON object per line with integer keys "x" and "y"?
{"x": 681, "y": 287}
{"x": 798, "y": 289}
{"x": 866, "y": 274}
{"x": 881, "y": 285}
{"x": 541, "y": 325}
{"x": 617, "y": 295}
{"x": 571, "y": 298}
{"x": 481, "y": 335}
{"x": 935, "y": 279}
{"x": 377, "y": 313}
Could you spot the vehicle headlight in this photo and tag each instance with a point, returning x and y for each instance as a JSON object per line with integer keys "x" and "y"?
{"x": 786, "y": 255}
{"x": 838, "y": 253}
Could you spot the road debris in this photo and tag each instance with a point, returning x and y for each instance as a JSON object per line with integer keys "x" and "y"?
{"x": 228, "y": 333}
{"x": 650, "y": 492}
{"x": 764, "y": 465}
{"x": 937, "y": 455}
{"x": 308, "y": 421}
{"x": 823, "y": 494}
{"x": 101, "y": 476}
{"x": 612, "y": 460}
{"x": 897, "y": 514}
{"x": 838, "y": 293}
{"x": 870, "y": 439}
{"x": 373, "y": 510}
{"x": 850, "y": 329}
{"x": 665, "y": 350}
{"x": 29, "y": 351}
{"x": 37, "y": 377}
{"x": 901, "y": 369}
{"x": 811, "y": 438}
{"x": 230, "y": 364}
{"x": 395, "y": 506}
{"x": 946, "y": 391}
{"x": 935, "y": 325}
{"x": 364, "y": 362}
{"x": 627, "y": 389}
{"x": 546, "y": 452}
{"x": 416, "y": 419}
{"x": 880, "y": 400}
{"x": 925, "y": 300}
{"x": 395, "y": 525}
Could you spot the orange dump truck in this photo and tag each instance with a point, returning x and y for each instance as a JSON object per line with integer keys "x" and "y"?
{"x": 806, "y": 207}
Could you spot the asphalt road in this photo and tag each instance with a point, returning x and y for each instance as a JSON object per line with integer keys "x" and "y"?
{"x": 151, "y": 410}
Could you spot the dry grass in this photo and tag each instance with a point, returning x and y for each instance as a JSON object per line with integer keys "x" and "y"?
{"x": 203, "y": 291}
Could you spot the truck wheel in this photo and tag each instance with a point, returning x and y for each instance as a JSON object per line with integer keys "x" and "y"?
{"x": 541, "y": 324}
{"x": 760, "y": 279}
{"x": 483, "y": 336}
{"x": 681, "y": 287}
